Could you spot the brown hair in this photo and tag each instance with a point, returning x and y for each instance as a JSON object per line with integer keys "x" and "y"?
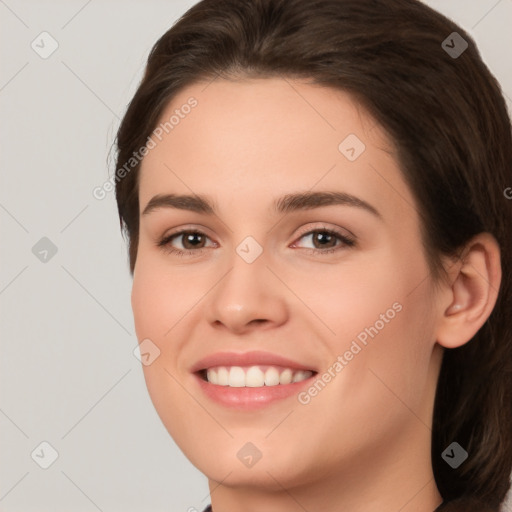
{"x": 449, "y": 122}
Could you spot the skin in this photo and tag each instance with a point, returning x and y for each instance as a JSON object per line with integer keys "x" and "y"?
{"x": 363, "y": 443}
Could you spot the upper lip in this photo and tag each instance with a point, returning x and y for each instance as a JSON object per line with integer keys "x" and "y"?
{"x": 253, "y": 358}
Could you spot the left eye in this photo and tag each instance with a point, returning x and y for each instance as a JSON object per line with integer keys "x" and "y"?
{"x": 324, "y": 237}
{"x": 192, "y": 239}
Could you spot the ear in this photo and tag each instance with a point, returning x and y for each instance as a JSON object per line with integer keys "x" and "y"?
{"x": 469, "y": 298}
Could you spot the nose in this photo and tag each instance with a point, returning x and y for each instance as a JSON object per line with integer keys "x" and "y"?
{"x": 247, "y": 297}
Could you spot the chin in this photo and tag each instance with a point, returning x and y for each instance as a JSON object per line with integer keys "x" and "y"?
{"x": 270, "y": 472}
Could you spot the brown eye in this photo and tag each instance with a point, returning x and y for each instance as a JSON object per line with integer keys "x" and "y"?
{"x": 325, "y": 240}
{"x": 190, "y": 241}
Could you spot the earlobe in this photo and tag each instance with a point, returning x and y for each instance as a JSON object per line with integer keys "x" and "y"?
{"x": 473, "y": 292}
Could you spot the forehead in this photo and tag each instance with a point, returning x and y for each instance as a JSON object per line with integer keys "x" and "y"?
{"x": 255, "y": 138}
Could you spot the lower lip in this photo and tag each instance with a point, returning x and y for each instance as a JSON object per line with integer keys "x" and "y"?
{"x": 251, "y": 398}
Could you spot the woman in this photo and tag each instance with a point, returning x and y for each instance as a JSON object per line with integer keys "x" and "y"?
{"x": 319, "y": 236}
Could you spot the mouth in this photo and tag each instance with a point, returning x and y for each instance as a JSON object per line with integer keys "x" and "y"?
{"x": 256, "y": 376}
{"x": 250, "y": 380}
{"x": 250, "y": 388}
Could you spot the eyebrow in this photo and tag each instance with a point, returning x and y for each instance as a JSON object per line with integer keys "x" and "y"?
{"x": 287, "y": 203}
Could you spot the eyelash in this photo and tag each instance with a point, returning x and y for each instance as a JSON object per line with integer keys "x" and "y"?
{"x": 166, "y": 241}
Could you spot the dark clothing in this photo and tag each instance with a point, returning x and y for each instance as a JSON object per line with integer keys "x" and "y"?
{"x": 460, "y": 505}
{"x": 465, "y": 505}
{"x": 438, "y": 509}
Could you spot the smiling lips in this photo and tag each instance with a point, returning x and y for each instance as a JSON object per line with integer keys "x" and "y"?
{"x": 250, "y": 380}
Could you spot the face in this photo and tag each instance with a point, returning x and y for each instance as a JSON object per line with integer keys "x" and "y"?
{"x": 329, "y": 288}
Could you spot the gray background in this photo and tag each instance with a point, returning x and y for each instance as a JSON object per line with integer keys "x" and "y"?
{"x": 68, "y": 373}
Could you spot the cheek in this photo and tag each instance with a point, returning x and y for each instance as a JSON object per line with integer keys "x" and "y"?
{"x": 156, "y": 310}
{"x": 157, "y": 307}
{"x": 158, "y": 299}
{"x": 382, "y": 316}
{"x": 367, "y": 294}
{"x": 389, "y": 376}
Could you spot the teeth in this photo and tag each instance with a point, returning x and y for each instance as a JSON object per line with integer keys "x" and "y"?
{"x": 285, "y": 377}
{"x": 236, "y": 377}
{"x": 254, "y": 376}
{"x": 271, "y": 377}
{"x": 222, "y": 376}
{"x": 213, "y": 377}
{"x": 298, "y": 376}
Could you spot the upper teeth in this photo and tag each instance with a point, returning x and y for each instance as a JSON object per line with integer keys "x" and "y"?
{"x": 254, "y": 376}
